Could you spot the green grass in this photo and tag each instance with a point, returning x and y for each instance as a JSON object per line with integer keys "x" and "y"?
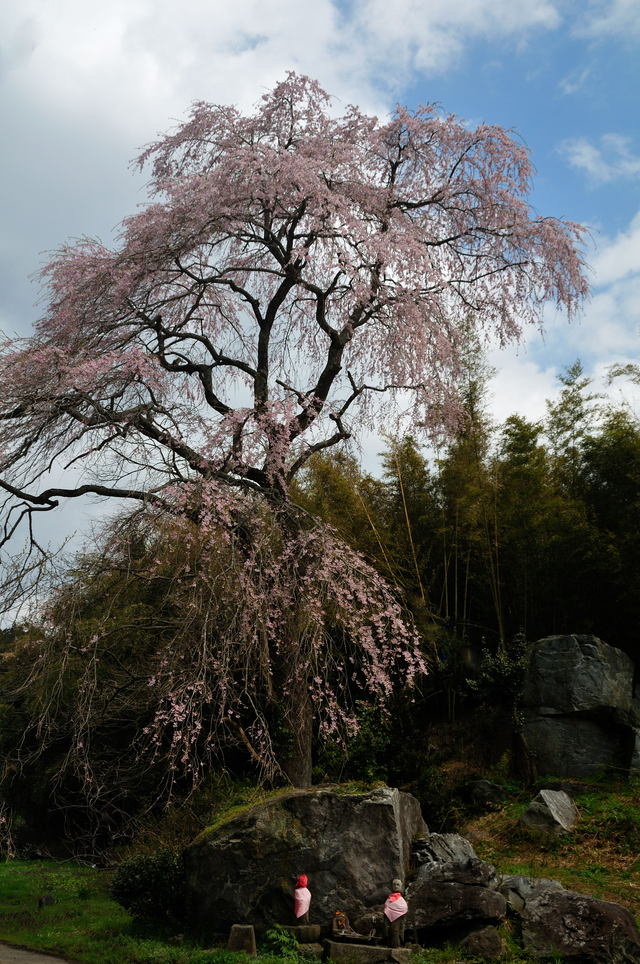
{"x": 84, "y": 924}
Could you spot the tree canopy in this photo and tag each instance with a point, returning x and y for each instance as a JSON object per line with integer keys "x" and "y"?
{"x": 289, "y": 265}
{"x": 293, "y": 268}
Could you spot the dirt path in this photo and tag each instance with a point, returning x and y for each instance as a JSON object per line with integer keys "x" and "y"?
{"x": 14, "y": 955}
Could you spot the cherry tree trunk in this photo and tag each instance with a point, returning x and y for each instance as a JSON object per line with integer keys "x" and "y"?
{"x": 297, "y": 754}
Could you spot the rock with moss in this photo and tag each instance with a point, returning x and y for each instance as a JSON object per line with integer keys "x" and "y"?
{"x": 351, "y": 846}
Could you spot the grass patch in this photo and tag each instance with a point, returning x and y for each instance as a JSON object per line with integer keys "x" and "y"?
{"x": 245, "y": 797}
{"x": 85, "y": 925}
{"x": 599, "y": 858}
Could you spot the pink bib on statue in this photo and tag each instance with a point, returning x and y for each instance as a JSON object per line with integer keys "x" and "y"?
{"x": 395, "y": 906}
{"x": 301, "y": 901}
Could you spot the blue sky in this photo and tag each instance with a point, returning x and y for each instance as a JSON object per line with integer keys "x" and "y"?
{"x": 84, "y": 84}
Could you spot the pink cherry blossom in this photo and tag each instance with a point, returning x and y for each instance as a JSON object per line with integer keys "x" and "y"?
{"x": 292, "y": 275}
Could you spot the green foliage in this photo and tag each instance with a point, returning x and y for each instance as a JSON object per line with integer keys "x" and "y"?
{"x": 282, "y": 943}
{"x": 85, "y": 924}
{"x": 500, "y": 675}
{"x": 438, "y": 800}
{"x": 364, "y": 757}
{"x": 599, "y": 857}
{"x": 527, "y": 527}
{"x": 151, "y": 886}
{"x": 615, "y": 818}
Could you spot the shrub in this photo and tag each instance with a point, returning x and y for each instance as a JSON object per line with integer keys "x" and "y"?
{"x": 151, "y": 886}
{"x": 282, "y": 942}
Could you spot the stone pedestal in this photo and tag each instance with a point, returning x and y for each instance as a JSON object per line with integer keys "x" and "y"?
{"x": 304, "y": 933}
{"x": 242, "y": 937}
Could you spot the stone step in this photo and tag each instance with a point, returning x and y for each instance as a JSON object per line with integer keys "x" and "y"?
{"x": 365, "y": 953}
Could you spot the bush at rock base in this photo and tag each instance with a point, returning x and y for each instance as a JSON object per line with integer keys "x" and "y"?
{"x": 151, "y": 886}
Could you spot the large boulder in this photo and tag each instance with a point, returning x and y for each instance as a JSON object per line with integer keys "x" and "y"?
{"x": 580, "y": 929}
{"x": 578, "y": 707}
{"x": 351, "y": 846}
{"x": 453, "y": 889}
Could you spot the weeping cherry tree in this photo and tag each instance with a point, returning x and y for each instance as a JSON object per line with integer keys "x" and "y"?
{"x": 294, "y": 274}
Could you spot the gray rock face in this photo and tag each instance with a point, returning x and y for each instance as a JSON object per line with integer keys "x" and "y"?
{"x": 578, "y": 706}
{"x": 518, "y": 890}
{"x": 553, "y": 811}
{"x": 452, "y": 886}
{"x": 579, "y": 928}
{"x": 485, "y": 944}
{"x": 442, "y": 848}
{"x": 447, "y": 898}
{"x": 572, "y": 674}
{"x": 350, "y": 846}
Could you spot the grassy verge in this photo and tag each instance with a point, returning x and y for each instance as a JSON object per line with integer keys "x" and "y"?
{"x": 601, "y": 857}
{"x": 84, "y": 924}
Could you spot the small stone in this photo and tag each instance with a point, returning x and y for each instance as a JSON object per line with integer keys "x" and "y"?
{"x": 401, "y": 954}
{"x": 552, "y": 811}
{"x": 242, "y": 937}
{"x": 485, "y": 944}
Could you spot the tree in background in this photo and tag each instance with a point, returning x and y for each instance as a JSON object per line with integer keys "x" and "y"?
{"x": 292, "y": 269}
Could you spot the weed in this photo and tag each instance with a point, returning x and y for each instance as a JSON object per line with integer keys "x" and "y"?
{"x": 283, "y": 944}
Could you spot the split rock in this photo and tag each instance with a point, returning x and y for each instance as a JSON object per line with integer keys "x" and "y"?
{"x": 518, "y": 890}
{"x": 454, "y": 887}
{"x": 579, "y": 710}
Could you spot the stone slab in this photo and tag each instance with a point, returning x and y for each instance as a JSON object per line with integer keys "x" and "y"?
{"x": 358, "y": 953}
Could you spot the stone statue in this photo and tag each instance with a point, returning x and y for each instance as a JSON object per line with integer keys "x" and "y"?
{"x": 395, "y": 909}
{"x": 301, "y": 900}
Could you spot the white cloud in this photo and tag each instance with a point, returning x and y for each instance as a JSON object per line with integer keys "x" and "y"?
{"x": 520, "y": 386}
{"x": 608, "y": 161}
{"x": 431, "y": 37}
{"x": 618, "y": 18}
{"x": 620, "y": 257}
{"x": 133, "y": 63}
{"x": 574, "y": 81}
